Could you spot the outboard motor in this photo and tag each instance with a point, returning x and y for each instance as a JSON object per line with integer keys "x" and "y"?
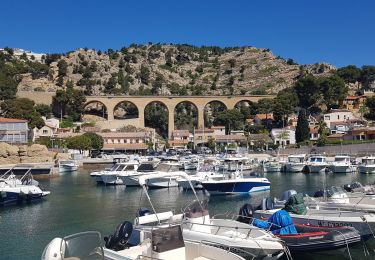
{"x": 118, "y": 241}
{"x": 143, "y": 212}
{"x": 287, "y": 194}
{"x": 246, "y": 213}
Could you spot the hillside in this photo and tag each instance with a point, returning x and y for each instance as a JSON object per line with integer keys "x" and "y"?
{"x": 169, "y": 69}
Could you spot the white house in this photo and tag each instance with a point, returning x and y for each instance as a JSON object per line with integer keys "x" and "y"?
{"x": 45, "y": 131}
{"x": 337, "y": 115}
{"x": 283, "y": 136}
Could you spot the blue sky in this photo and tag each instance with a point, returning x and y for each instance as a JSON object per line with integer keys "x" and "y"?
{"x": 340, "y": 32}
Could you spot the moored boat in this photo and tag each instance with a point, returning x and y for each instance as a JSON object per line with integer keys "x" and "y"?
{"x": 367, "y": 165}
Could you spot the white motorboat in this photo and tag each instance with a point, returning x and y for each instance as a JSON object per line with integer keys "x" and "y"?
{"x": 25, "y": 189}
{"x": 367, "y": 165}
{"x": 68, "y": 166}
{"x": 198, "y": 227}
{"x": 138, "y": 243}
{"x": 337, "y": 198}
{"x": 316, "y": 163}
{"x": 196, "y": 179}
{"x": 342, "y": 164}
{"x": 111, "y": 176}
{"x": 295, "y": 163}
{"x": 166, "y": 174}
{"x": 272, "y": 166}
{"x": 131, "y": 178}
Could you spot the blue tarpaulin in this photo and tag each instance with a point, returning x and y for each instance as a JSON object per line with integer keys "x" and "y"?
{"x": 283, "y": 223}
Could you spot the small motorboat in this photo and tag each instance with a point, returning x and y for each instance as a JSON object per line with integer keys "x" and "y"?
{"x": 16, "y": 191}
{"x": 303, "y": 237}
{"x": 315, "y": 238}
{"x": 165, "y": 176}
{"x": 68, "y": 166}
{"x": 132, "y": 243}
{"x": 315, "y": 164}
{"x": 295, "y": 163}
{"x": 367, "y": 165}
{"x": 342, "y": 164}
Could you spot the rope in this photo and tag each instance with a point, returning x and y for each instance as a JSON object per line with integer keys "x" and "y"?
{"x": 347, "y": 244}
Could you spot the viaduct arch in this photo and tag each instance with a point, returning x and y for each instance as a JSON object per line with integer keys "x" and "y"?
{"x": 110, "y": 102}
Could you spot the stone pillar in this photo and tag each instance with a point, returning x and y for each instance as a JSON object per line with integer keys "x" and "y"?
{"x": 141, "y": 115}
{"x": 170, "y": 121}
{"x": 110, "y": 112}
{"x": 200, "y": 117}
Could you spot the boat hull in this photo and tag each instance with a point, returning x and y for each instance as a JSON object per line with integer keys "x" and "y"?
{"x": 366, "y": 169}
{"x": 160, "y": 183}
{"x": 294, "y": 167}
{"x": 312, "y": 238}
{"x": 235, "y": 186}
{"x": 343, "y": 168}
{"x": 184, "y": 184}
{"x": 111, "y": 179}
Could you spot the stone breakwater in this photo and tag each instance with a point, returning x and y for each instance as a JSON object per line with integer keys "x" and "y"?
{"x": 36, "y": 153}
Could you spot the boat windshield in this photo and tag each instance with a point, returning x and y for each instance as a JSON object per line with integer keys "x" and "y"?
{"x": 114, "y": 167}
{"x": 335, "y": 190}
{"x": 167, "y": 168}
{"x": 295, "y": 159}
{"x": 368, "y": 161}
{"x": 86, "y": 245}
{"x": 317, "y": 159}
{"x": 341, "y": 159}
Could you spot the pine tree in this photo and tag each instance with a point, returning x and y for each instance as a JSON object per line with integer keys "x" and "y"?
{"x": 302, "y": 129}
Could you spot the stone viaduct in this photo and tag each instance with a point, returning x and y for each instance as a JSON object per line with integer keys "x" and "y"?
{"x": 170, "y": 102}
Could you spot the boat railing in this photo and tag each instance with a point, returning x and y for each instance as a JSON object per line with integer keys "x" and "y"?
{"x": 229, "y": 248}
{"x": 248, "y": 229}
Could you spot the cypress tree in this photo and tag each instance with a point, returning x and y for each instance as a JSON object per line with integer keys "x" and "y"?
{"x": 302, "y": 129}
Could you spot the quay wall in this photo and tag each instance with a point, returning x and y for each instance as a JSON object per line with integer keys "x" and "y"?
{"x": 353, "y": 149}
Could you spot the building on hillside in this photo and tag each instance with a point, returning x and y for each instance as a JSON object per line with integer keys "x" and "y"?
{"x": 237, "y": 132}
{"x": 361, "y": 133}
{"x": 45, "y": 131}
{"x": 353, "y": 103}
{"x": 127, "y": 141}
{"x": 180, "y": 138}
{"x": 335, "y": 115}
{"x": 265, "y": 119}
{"x": 202, "y": 136}
{"x": 292, "y": 120}
{"x": 218, "y": 130}
{"x": 283, "y": 136}
{"x": 230, "y": 139}
{"x": 30, "y": 55}
{"x": 314, "y": 133}
{"x": 13, "y": 131}
{"x": 49, "y": 129}
{"x": 343, "y": 127}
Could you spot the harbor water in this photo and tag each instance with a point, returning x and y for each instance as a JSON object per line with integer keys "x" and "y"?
{"x": 78, "y": 204}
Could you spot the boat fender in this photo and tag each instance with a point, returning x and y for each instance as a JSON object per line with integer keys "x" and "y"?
{"x": 118, "y": 241}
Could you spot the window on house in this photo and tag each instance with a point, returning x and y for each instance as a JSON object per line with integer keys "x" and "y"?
{"x": 327, "y": 118}
{"x": 45, "y": 131}
{"x": 338, "y": 116}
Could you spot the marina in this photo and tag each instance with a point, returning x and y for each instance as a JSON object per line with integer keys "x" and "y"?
{"x": 78, "y": 204}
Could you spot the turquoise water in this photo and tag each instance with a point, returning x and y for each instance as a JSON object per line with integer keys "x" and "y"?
{"x": 77, "y": 204}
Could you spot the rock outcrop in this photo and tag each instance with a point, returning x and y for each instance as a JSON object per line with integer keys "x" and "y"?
{"x": 36, "y": 153}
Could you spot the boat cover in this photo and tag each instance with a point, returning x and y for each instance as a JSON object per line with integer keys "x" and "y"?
{"x": 280, "y": 223}
{"x": 296, "y": 204}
